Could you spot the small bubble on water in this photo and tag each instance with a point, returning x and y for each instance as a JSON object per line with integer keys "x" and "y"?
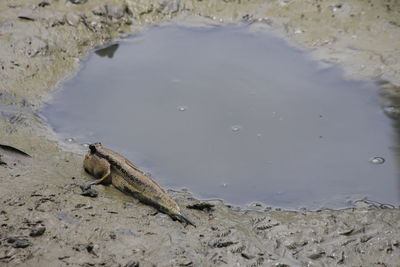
{"x": 259, "y": 135}
{"x": 69, "y": 140}
{"x": 224, "y": 185}
{"x": 182, "y": 108}
{"x": 236, "y": 128}
{"x": 85, "y": 145}
{"x": 377, "y": 160}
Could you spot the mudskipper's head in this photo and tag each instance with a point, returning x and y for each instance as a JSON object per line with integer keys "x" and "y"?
{"x": 91, "y": 160}
{"x": 93, "y": 147}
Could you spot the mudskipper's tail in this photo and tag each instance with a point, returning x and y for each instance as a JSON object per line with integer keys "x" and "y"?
{"x": 182, "y": 219}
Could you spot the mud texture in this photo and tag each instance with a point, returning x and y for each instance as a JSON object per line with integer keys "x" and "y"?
{"x": 44, "y": 219}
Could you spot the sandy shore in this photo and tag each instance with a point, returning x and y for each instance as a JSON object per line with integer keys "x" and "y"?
{"x": 44, "y": 219}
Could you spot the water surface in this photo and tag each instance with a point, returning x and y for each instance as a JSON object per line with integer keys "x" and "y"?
{"x": 234, "y": 115}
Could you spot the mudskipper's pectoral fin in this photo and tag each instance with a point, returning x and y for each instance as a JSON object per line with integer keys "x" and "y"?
{"x": 87, "y": 185}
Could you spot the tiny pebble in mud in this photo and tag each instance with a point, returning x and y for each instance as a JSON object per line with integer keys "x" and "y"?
{"x": 89, "y": 193}
{"x": 115, "y": 12}
{"x": 38, "y": 231}
{"x": 18, "y": 242}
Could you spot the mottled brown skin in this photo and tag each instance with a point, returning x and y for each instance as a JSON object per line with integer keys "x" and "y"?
{"x": 98, "y": 168}
{"x": 110, "y": 167}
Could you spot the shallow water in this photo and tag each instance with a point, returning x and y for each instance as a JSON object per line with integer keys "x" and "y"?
{"x": 234, "y": 115}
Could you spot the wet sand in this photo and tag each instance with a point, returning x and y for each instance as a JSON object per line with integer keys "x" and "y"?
{"x": 44, "y": 219}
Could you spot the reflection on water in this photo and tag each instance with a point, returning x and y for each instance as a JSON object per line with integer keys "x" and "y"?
{"x": 107, "y": 51}
{"x": 234, "y": 115}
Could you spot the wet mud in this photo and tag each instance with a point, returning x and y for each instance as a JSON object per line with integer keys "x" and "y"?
{"x": 44, "y": 219}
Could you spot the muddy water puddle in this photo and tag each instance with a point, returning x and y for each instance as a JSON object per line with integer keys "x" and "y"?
{"x": 234, "y": 115}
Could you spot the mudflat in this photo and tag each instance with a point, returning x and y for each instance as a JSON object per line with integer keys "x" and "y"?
{"x": 45, "y": 219}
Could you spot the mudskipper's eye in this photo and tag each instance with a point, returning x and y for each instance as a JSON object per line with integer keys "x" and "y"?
{"x": 92, "y": 148}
